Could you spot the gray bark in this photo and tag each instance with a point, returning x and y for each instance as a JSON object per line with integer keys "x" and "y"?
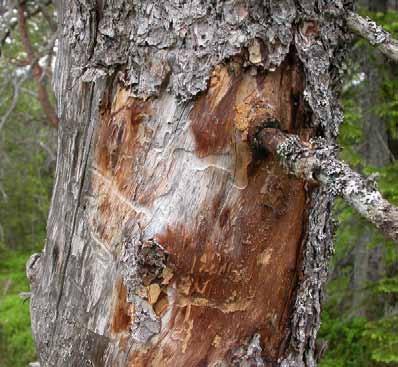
{"x": 170, "y": 241}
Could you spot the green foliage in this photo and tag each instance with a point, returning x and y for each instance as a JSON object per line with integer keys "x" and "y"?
{"x": 25, "y": 140}
{"x": 381, "y": 337}
{"x": 346, "y": 344}
{"x": 26, "y": 182}
{"x": 16, "y": 343}
{"x": 351, "y": 131}
{"x": 387, "y": 285}
{"x": 388, "y": 181}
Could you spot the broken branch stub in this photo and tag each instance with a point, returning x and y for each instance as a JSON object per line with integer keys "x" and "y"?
{"x": 315, "y": 161}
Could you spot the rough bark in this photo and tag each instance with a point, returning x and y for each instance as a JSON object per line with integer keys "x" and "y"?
{"x": 316, "y": 163}
{"x": 171, "y": 241}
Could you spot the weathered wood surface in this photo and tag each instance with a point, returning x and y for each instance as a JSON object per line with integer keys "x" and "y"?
{"x": 171, "y": 241}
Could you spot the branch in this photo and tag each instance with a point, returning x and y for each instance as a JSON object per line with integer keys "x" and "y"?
{"x": 37, "y": 70}
{"x": 16, "y": 86}
{"x": 376, "y": 35}
{"x": 315, "y": 162}
{"x": 8, "y": 20}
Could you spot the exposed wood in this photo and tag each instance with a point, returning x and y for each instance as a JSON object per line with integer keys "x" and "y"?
{"x": 224, "y": 246}
{"x": 374, "y": 34}
{"x": 172, "y": 241}
{"x": 316, "y": 163}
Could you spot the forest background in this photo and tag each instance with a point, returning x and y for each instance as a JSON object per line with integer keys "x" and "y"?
{"x": 360, "y": 315}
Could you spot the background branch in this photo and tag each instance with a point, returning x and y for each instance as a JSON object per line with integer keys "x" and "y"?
{"x": 16, "y": 86}
{"x": 37, "y": 70}
{"x": 376, "y": 35}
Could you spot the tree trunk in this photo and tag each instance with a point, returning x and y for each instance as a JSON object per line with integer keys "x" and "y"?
{"x": 376, "y": 5}
{"x": 171, "y": 240}
{"x": 375, "y": 151}
{"x": 379, "y": 5}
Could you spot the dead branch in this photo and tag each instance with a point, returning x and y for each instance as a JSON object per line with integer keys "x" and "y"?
{"x": 316, "y": 162}
{"x": 376, "y": 35}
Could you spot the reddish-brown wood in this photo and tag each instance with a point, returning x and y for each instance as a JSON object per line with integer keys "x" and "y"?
{"x": 234, "y": 263}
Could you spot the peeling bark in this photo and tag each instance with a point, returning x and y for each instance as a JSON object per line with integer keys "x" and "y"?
{"x": 172, "y": 241}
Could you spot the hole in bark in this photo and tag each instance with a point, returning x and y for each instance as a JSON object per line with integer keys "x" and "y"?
{"x": 271, "y": 123}
{"x": 259, "y": 151}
